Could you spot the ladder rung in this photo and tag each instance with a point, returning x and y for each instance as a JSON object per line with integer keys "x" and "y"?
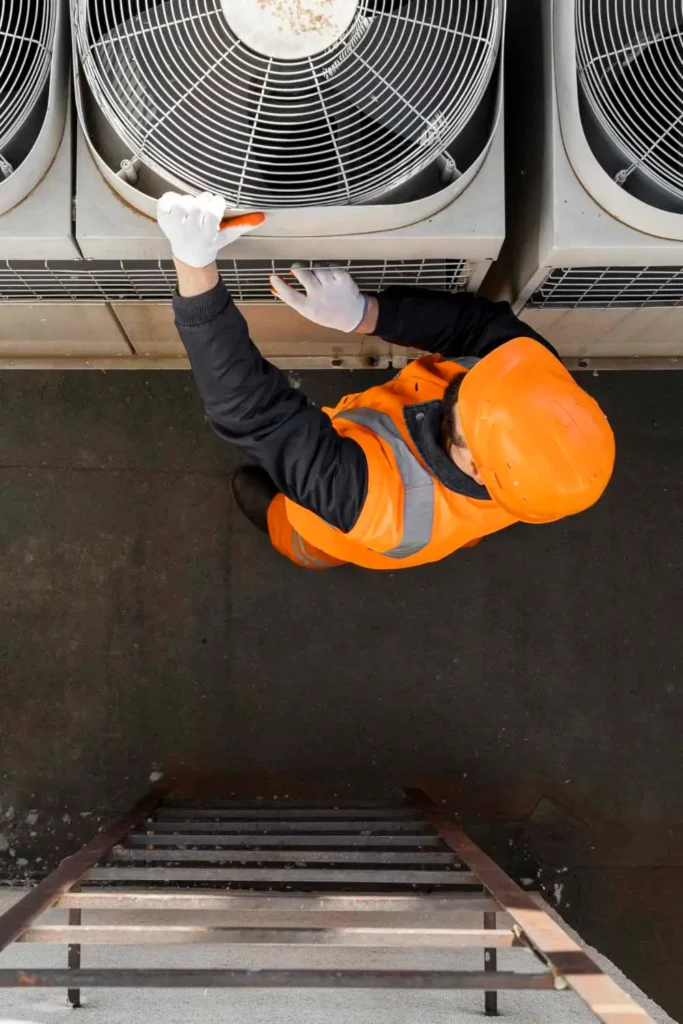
{"x": 223, "y": 978}
{"x": 288, "y": 841}
{"x": 299, "y": 876}
{"x": 122, "y": 853}
{"x": 280, "y": 903}
{"x": 298, "y": 919}
{"x": 286, "y": 813}
{"x": 273, "y": 804}
{"x": 378, "y": 937}
{"x": 343, "y": 828}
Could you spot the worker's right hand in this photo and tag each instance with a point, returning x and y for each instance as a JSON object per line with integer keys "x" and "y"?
{"x": 195, "y": 227}
{"x": 331, "y": 298}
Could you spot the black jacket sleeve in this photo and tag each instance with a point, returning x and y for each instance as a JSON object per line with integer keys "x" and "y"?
{"x": 249, "y": 403}
{"x": 450, "y": 325}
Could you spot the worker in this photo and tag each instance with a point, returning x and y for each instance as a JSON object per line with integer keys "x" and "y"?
{"x": 487, "y": 430}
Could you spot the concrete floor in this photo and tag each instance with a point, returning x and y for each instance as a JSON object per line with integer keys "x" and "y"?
{"x": 144, "y": 624}
{"x": 282, "y": 1006}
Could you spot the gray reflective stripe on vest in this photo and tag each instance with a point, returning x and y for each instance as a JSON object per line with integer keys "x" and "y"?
{"x": 303, "y": 555}
{"x": 418, "y": 485}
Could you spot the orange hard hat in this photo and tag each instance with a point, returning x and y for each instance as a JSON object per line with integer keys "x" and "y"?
{"x": 542, "y": 445}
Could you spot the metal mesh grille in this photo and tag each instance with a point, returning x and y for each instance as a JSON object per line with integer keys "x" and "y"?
{"x": 26, "y": 31}
{"x": 605, "y": 287}
{"x": 630, "y": 62}
{"x": 154, "y": 280}
{"x": 344, "y": 125}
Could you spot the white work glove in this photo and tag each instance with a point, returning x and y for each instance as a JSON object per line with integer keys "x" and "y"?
{"x": 332, "y": 297}
{"x": 195, "y": 227}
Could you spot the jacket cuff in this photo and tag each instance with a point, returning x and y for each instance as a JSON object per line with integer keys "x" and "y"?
{"x": 189, "y": 312}
{"x": 387, "y": 317}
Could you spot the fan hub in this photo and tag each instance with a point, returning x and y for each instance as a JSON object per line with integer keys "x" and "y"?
{"x": 289, "y": 29}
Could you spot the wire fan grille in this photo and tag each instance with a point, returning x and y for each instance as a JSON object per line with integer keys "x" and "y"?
{"x": 630, "y": 63}
{"x": 26, "y": 33}
{"x": 344, "y": 126}
{"x": 609, "y": 287}
{"x": 154, "y": 280}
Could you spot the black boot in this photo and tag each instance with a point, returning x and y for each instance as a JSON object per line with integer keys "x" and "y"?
{"x": 253, "y": 491}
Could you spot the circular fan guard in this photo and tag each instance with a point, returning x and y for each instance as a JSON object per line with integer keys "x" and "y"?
{"x": 630, "y": 64}
{"x": 26, "y": 35}
{"x": 342, "y": 126}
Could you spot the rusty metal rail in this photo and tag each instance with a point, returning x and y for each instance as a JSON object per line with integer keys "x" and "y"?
{"x": 17, "y": 919}
{"x": 265, "y": 876}
{"x": 229, "y": 978}
{"x": 571, "y": 966}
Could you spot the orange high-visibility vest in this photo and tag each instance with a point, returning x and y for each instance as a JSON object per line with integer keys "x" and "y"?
{"x": 410, "y": 516}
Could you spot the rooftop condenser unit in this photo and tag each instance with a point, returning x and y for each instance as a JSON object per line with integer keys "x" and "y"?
{"x": 594, "y": 253}
{"x": 36, "y": 180}
{"x": 35, "y": 173}
{"x": 370, "y": 131}
{"x": 26, "y": 37}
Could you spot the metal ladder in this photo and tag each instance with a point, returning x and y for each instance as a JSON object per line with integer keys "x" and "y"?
{"x": 285, "y": 874}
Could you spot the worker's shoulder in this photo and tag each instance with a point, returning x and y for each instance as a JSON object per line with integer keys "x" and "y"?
{"x": 508, "y": 327}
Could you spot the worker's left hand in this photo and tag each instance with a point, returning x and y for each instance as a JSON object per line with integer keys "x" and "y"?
{"x": 195, "y": 227}
{"x": 332, "y": 297}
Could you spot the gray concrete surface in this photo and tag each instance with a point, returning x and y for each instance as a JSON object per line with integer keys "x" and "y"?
{"x": 144, "y": 624}
{"x": 282, "y": 1006}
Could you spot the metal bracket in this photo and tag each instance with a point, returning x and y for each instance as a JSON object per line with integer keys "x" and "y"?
{"x": 129, "y": 170}
{"x": 448, "y": 168}
{"x": 624, "y": 174}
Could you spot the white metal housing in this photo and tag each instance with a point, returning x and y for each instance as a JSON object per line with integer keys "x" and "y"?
{"x": 291, "y": 106}
{"x": 470, "y": 227}
{"x": 428, "y": 221}
{"x": 35, "y": 199}
{"x": 426, "y": 217}
{"x": 596, "y": 269}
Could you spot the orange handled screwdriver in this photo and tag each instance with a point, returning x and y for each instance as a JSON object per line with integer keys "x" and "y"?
{"x": 252, "y": 220}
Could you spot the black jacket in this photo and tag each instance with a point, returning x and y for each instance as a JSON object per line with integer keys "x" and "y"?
{"x": 249, "y": 402}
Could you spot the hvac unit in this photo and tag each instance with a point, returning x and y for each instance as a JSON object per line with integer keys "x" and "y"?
{"x": 36, "y": 184}
{"x": 370, "y": 131}
{"x": 33, "y": 108}
{"x": 594, "y": 254}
